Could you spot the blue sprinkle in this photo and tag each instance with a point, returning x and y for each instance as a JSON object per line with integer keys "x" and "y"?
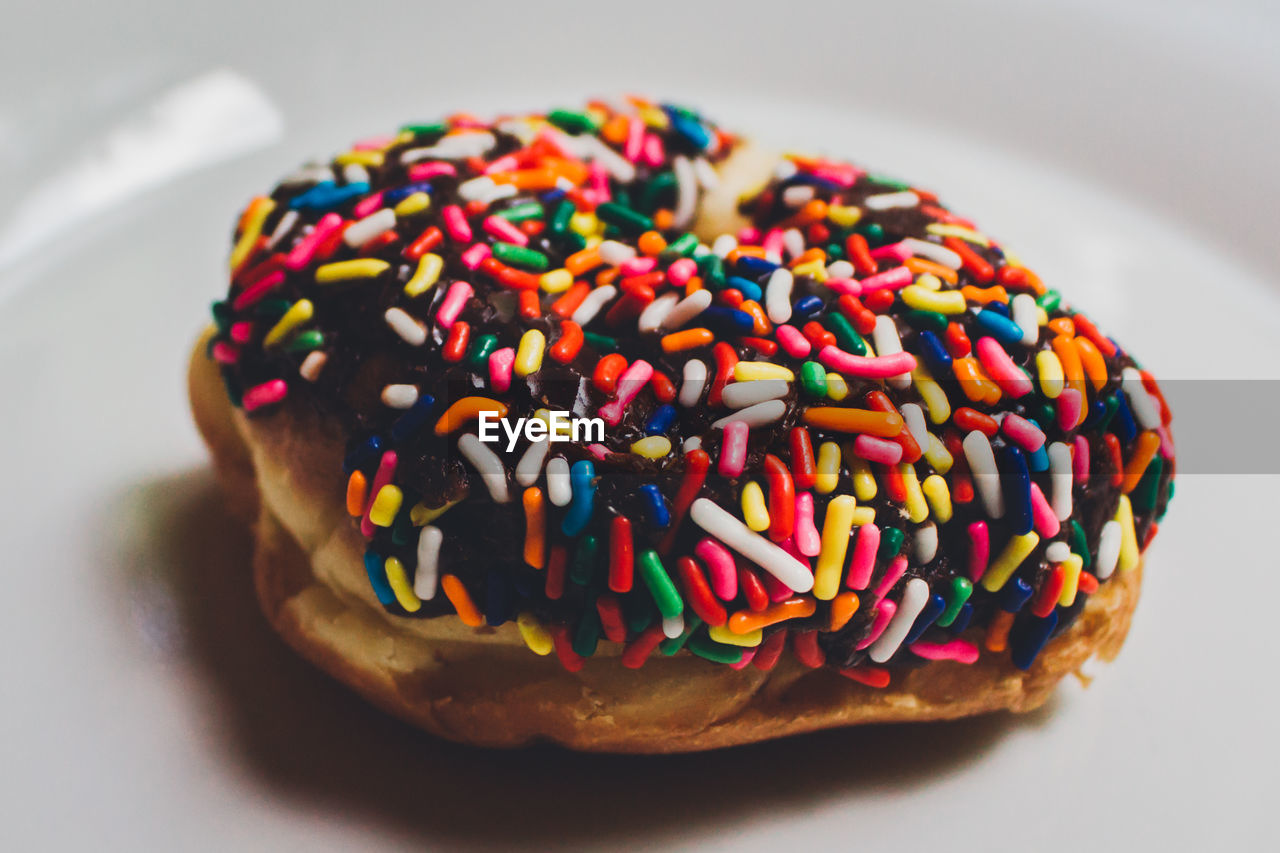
{"x": 1123, "y": 424}
{"x": 1097, "y": 411}
{"x": 1039, "y": 460}
{"x": 495, "y": 598}
{"x": 413, "y": 420}
{"x": 814, "y": 181}
{"x": 658, "y": 512}
{"x": 369, "y": 450}
{"x": 998, "y": 326}
{"x": 935, "y": 355}
{"x": 962, "y": 619}
{"x": 582, "y": 481}
{"x": 1017, "y": 488}
{"x": 1028, "y": 637}
{"x": 378, "y": 578}
{"x": 739, "y": 322}
{"x": 750, "y": 290}
{"x": 399, "y": 194}
{"x": 663, "y": 417}
{"x": 326, "y": 195}
{"x": 999, "y": 307}
{"x": 932, "y": 610}
{"x": 1015, "y": 593}
{"x": 807, "y": 306}
{"x": 690, "y": 130}
{"x": 748, "y": 265}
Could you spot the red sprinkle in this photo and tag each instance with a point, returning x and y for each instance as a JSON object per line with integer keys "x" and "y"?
{"x": 768, "y": 652}
{"x": 569, "y": 345}
{"x": 803, "y": 467}
{"x": 455, "y": 346}
{"x": 639, "y": 649}
{"x": 804, "y": 645}
{"x": 607, "y": 371}
{"x": 972, "y": 261}
{"x": 557, "y": 561}
{"x": 611, "y": 622}
{"x": 698, "y": 592}
{"x": 782, "y": 498}
{"x": 621, "y": 555}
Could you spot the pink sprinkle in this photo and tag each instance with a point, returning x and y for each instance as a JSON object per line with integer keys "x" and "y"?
{"x": 300, "y": 255}
{"x": 367, "y": 205}
{"x": 257, "y": 290}
{"x": 867, "y": 367}
{"x": 654, "y": 151}
{"x": 749, "y": 236}
{"x": 1000, "y": 367}
{"x": 845, "y": 285}
{"x": 638, "y": 266}
{"x": 1166, "y": 442}
{"x": 681, "y": 271}
{"x": 898, "y": 251}
{"x": 884, "y": 613}
{"x": 599, "y": 451}
{"x": 629, "y": 385}
{"x": 836, "y": 173}
{"x": 225, "y": 353}
{"x": 552, "y": 139}
{"x": 961, "y": 651}
{"x": 979, "y": 550}
{"x": 599, "y": 180}
{"x": 502, "y": 164}
{"x": 373, "y": 143}
{"x": 1080, "y": 460}
{"x": 747, "y": 655}
{"x": 1023, "y": 432}
{"x": 500, "y": 363}
{"x": 722, "y": 573}
{"x": 879, "y": 450}
{"x": 431, "y": 169}
{"x": 453, "y": 303}
{"x": 475, "y": 254}
{"x": 241, "y": 332}
{"x": 455, "y": 223}
{"x": 897, "y": 568}
{"x": 635, "y": 139}
{"x": 776, "y": 589}
{"x": 863, "y": 561}
{"x": 1046, "y": 522}
{"x": 793, "y": 341}
{"x": 265, "y": 394}
{"x": 386, "y": 471}
{"x": 887, "y": 280}
{"x": 733, "y": 449}
{"x": 773, "y": 242}
{"x": 1069, "y": 404}
{"x": 505, "y": 231}
{"x": 808, "y": 539}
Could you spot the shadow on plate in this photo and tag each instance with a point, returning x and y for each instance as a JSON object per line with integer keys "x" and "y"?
{"x": 309, "y": 740}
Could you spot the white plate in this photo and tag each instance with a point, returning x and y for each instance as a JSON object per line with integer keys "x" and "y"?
{"x": 1128, "y": 155}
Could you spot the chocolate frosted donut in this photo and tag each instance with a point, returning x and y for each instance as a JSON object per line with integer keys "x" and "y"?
{"x": 735, "y": 445}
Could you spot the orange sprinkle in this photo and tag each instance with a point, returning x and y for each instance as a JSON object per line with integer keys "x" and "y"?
{"x": 753, "y": 308}
{"x": 947, "y": 274}
{"x": 687, "y": 339}
{"x": 461, "y": 601}
{"x": 572, "y": 298}
{"x": 615, "y": 129}
{"x": 843, "y": 606}
{"x": 882, "y": 424}
{"x": 1144, "y": 450}
{"x": 465, "y": 410}
{"x": 663, "y": 219}
{"x": 1063, "y": 326}
{"x": 973, "y": 380}
{"x": 813, "y": 211}
{"x": 608, "y": 276}
{"x": 1095, "y": 366}
{"x": 810, "y": 255}
{"x": 995, "y": 293}
{"x": 747, "y": 251}
{"x": 746, "y": 621}
{"x": 535, "y": 528}
{"x": 693, "y": 284}
{"x": 651, "y": 243}
{"x": 998, "y": 631}
{"x": 580, "y": 262}
{"x": 357, "y": 487}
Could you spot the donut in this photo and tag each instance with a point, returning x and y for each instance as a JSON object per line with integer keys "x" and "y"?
{"x": 610, "y": 428}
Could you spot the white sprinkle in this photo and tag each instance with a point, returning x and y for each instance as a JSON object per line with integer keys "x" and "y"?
{"x": 1144, "y": 408}
{"x": 982, "y": 463}
{"x": 840, "y": 269}
{"x": 1057, "y": 552}
{"x": 1109, "y": 542}
{"x": 785, "y": 169}
{"x": 1027, "y": 317}
{"x": 717, "y": 522}
{"x": 591, "y": 306}
{"x": 914, "y": 598}
{"x": 399, "y": 396}
{"x": 724, "y": 244}
{"x": 777, "y": 295}
{"x": 688, "y": 308}
{"x": 519, "y": 128}
{"x": 1060, "y": 480}
{"x": 692, "y": 443}
{"x": 707, "y": 176}
{"x": 889, "y": 201}
{"x": 477, "y": 189}
{"x": 695, "y": 379}
{"x": 797, "y": 194}
{"x": 312, "y": 365}
{"x": 673, "y": 626}
{"x": 424, "y": 579}
{"x": 739, "y": 395}
{"x": 887, "y": 341}
{"x": 354, "y": 173}
{"x": 761, "y": 414}
{"x": 488, "y": 464}
{"x": 656, "y": 311}
{"x": 376, "y": 223}
{"x": 615, "y": 254}
{"x": 530, "y": 464}
{"x": 591, "y": 148}
{"x": 406, "y": 327}
{"x": 559, "y": 489}
{"x": 925, "y": 542}
{"x": 932, "y": 251}
{"x": 793, "y": 242}
{"x": 459, "y": 146}
{"x": 313, "y": 174}
{"x": 913, "y": 415}
{"x": 283, "y": 227}
{"x": 686, "y": 192}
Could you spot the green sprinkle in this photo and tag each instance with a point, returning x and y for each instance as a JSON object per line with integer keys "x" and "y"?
{"x": 1049, "y": 300}
{"x": 624, "y": 218}
{"x": 683, "y": 245}
{"x": 587, "y": 636}
{"x": 1046, "y": 414}
{"x": 572, "y": 121}
{"x": 560, "y": 219}
{"x": 431, "y": 129}
{"x": 890, "y": 543}
{"x": 873, "y": 232}
{"x": 272, "y": 308}
{"x": 521, "y": 212}
{"x": 711, "y": 267}
{"x": 584, "y": 560}
{"x": 221, "y": 316}
{"x": 664, "y": 592}
{"x": 604, "y": 343}
{"x": 846, "y": 335}
{"x": 813, "y": 379}
{"x": 402, "y": 530}
{"x": 834, "y": 251}
{"x": 304, "y": 341}
{"x": 671, "y": 645}
{"x": 638, "y": 611}
{"x": 931, "y": 320}
{"x": 961, "y": 589}
{"x": 572, "y": 240}
{"x": 705, "y": 647}
{"x": 234, "y": 392}
{"x": 1145, "y": 493}
{"x": 1110, "y": 406}
{"x": 480, "y": 350}
{"x": 520, "y": 256}
{"x": 1079, "y": 545}
{"x": 894, "y": 184}
{"x": 651, "y": 195}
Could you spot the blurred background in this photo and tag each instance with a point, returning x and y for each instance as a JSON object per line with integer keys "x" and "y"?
{"x": 1125, "y": 149}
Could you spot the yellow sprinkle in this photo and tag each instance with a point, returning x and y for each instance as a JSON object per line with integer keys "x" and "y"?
{"x": 399, "y": 139}
{"x": 935, "y": 399}
{"x": 864, "y": 482}
{"x": 943, "y": 302}
{"x": 562, "y": 428}
{"x": 421, "y": 514}
{"x": 535, "y": 636}
{"x": 411, "y": 204}
{"x": 845, "y": 217}
{"x": 938, "y": 455}
{"x": 1010, "y": 558}
{"x": 828, "y": 473}
{"x": 917, "y": 507}
{"x": 837, "y": 388}
{"x": 754, "y": 510}
{"x": 585, "y": 224}
{"x": 722, "y": 634}
{"x": 556, "y": 281}
{"x": 1070, "y": 579}
{"x": 425, "y": 276}
{"x": 529, "y": 353}
{"x": 654, "y": 117}
{"x": 864, "y": 515}
{"x": 944, "y": 229}
{"x": 652, "y": 447}
{"x": 298, "y": 313}
{"x": 399, "y": 583}
{"x": 1049, "y": 369}
{"x": 1042, "y": 316}
{"x": 1129, "y": 553}
{"x": 816, "y": 269}
{"x": 835, "y": 544}
{"x": 347, "y": 270}
{"x": 259, "y": 209}
{"x": 361, "y": 158}
{"x": 928, "y": 281}
{"x": 939, "y": 497}
{"x": 386, "y": 505}
{"x": 747, "y": 371}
